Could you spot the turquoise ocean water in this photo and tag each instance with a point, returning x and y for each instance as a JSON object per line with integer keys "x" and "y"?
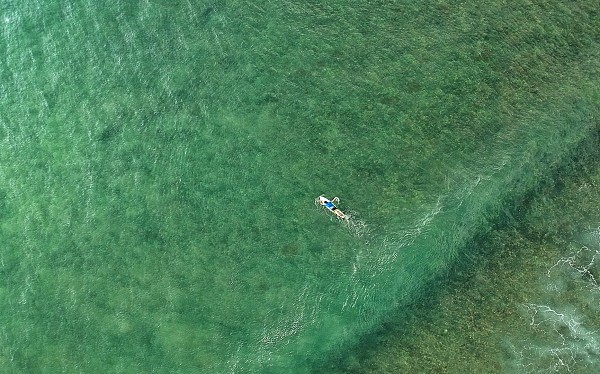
{"x": 159, "y": 162}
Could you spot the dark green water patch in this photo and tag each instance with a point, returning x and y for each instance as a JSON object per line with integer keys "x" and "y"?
{"x": 485, "y": 302}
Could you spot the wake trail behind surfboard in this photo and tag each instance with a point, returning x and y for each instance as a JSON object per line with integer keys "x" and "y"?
{"x": 357, "y": 227}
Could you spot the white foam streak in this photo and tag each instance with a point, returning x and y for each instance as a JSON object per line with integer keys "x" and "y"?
{"x": 563, "y": 338}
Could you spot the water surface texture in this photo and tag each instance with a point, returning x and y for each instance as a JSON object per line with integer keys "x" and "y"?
{"x": 159, "y": 162}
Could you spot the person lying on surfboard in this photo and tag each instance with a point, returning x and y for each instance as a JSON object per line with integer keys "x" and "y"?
{"x": 329, "y": 204}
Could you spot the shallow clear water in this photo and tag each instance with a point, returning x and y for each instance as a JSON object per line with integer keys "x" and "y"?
{"x": 159, "y": 163}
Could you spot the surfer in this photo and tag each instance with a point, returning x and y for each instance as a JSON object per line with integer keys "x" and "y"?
{"x": 329, "y": 204}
